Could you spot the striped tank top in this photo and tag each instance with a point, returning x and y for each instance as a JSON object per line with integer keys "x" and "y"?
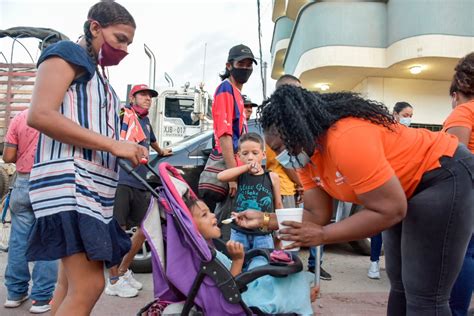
{"x": 68, "y": 178}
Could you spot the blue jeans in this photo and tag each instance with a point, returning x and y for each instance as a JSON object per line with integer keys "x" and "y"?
{"x": 312, "y": 256}
{"x": 252, "y": 241}
{"x": 375, "y": 247}
{"x": 17, "y": 274}
{"x": 462, "y": 290}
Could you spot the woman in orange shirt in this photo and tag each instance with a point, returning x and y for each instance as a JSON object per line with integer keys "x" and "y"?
{"x": 415, "y": 185}
{"x": 460, "y": 123}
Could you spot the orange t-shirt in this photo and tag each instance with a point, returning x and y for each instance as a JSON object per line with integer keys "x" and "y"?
{"x": 463, "y": 116}
{"x": 358, "y": 156}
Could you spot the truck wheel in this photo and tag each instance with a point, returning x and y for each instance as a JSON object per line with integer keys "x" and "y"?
{"x": 4, "y": 182}
{"x": 361, "y": 246}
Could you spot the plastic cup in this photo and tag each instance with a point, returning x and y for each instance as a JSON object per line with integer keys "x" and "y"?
{"x": 288, "y": 214}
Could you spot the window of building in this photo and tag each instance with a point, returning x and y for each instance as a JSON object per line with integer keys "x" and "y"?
{"x": 431, "y": 127}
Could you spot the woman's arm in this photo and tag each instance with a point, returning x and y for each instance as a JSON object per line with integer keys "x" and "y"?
{"x": 317, "y": 210}
{"x": 385, "y": 206}
{"x": 54, "y": 77}
{"x": 232, "y": 174}
{"x": 462, "y": 133}
{"x": 276, "y": 190}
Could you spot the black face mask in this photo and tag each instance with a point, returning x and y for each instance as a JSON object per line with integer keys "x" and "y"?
{"x": 241, "y": 75}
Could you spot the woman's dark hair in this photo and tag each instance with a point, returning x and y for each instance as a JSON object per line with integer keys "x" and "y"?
{"x": 400, "y": 106}
{"x": 463, "y": 79}
{"x": 107, "y": 13}
{"x": 301, "y": 117}
{"x": 226, "y": 73}
{"x": 253, "y": 137}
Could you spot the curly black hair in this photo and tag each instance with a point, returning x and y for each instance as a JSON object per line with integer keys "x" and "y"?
{"x": 463, "y": 79}
{"x": 301, "y": 117}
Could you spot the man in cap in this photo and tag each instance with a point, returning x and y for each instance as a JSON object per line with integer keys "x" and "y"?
{"x": 229, "y": 123}
{"x": 248, "y": 106}
{"x": 132, "y": 198}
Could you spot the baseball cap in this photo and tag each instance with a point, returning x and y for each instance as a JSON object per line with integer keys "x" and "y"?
{"x": 248, "y": 102}
{"x": 241, "y": 52}
{"x": 142, "y": 87}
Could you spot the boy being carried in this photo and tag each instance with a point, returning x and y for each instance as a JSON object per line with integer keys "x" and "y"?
{"x": 257, "y": 189}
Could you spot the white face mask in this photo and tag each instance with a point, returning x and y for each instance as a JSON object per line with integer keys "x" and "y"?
{"x": 405, "y": 121}
{"x": 293, "y": 162}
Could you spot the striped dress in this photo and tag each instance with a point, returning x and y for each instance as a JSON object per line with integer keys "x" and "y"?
{"x": 72, "y": 189}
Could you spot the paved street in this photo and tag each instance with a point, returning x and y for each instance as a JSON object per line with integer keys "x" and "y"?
{"x": 349, "y": 293}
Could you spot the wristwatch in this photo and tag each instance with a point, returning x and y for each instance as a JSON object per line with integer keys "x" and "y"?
{"x": 266, "y": 221}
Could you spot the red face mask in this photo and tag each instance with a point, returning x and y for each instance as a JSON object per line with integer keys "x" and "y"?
{"x": 140, "y": 111}
{"x": 110, "y": 56}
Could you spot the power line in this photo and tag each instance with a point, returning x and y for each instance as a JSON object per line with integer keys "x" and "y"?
{"x": 264, "y": 92}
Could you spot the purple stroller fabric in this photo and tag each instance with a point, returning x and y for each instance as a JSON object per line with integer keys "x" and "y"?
{"x": 185, "y": 250}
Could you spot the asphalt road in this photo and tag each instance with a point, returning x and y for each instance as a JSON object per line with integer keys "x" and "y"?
{"x": 350, "y": 292}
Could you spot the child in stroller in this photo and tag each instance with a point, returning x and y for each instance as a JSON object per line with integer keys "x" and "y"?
{"x": 189, "y": 278}
{"x": 269, "y": 294}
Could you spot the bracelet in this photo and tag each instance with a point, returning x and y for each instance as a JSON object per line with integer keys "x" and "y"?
{"x": 266, "y": 221}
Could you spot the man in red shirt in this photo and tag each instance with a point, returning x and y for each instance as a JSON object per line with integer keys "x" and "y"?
{"x": 20, "y": 148}
{"x": 229, "y": 118}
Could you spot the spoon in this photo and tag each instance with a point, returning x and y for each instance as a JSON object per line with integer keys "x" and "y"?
{"x": 228, "y": 220}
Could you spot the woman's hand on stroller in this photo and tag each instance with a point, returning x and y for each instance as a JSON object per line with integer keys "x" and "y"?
{"x": 130, "y": 151}
{"x": 249, "y": 219}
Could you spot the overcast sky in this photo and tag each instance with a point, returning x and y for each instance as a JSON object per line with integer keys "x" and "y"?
{"x": 175, "y": 30}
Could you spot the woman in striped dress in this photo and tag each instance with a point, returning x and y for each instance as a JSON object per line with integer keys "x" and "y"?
{"x": 72, "y": 184}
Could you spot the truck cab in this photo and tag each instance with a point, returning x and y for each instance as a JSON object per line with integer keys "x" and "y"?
{"x": 179, "y": 113}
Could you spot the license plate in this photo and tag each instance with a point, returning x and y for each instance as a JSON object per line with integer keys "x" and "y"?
{"x": 174, "y": 131}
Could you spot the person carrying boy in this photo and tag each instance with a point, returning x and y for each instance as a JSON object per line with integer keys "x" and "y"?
{"x": 257, "y": 189}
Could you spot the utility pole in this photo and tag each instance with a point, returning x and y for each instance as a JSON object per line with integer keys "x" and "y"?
{"x": 204, "y": 64}
{"x": 264, "y": 80}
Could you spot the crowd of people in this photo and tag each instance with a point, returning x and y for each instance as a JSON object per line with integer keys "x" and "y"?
{"x": 70, "y": 203}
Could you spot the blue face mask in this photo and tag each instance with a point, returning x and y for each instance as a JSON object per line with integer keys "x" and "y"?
{"x": 405, "y": 121}
{"x": 293, "y": 162}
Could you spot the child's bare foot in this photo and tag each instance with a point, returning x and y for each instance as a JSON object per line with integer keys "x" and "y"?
{"x": 314, "y": 293}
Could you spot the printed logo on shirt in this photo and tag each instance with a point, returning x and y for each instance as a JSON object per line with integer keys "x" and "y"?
{"x": 340, "y": 179}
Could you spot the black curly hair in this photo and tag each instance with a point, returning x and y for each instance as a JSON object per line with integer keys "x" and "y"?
{"x": 301, "y": 117}
{"x": 463, "y": 79}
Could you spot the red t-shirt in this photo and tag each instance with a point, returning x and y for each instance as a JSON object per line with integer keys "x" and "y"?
{"x": 25, "y": 139}
{"x": 359, "y": 156}
{"x": 462, "y": 116}
{"x": 228, "y": 113}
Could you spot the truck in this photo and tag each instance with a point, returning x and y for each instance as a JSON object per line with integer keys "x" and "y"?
{"x": 16, "y": 84}
{"x": 178, "y": 112}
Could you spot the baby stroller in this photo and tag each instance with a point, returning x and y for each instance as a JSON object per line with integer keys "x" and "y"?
{"x": 187, "y": 277}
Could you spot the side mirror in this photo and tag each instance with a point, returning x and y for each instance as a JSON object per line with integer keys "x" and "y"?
{"x": 206, "y": 151}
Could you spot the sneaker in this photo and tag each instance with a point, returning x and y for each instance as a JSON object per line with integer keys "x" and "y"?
{"x": 121, "y": 288}
{"x": 128, "y": 276}
{"x": 39, "y": 307}
{"x": 15, "y": 303}
{"x": 324, "y": 275}
{"x": 374, "y": 270}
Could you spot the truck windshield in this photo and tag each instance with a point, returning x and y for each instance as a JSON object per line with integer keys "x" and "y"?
{"x": 180, "y": 108}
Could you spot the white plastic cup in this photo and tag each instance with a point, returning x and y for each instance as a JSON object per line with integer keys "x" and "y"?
{"x": 288, "y": 214}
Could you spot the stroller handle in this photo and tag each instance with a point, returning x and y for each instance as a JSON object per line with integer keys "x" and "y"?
{"x": 125, "y": 165}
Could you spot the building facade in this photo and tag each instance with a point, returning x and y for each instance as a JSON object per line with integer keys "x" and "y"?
{"x": 387, "y": 50}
